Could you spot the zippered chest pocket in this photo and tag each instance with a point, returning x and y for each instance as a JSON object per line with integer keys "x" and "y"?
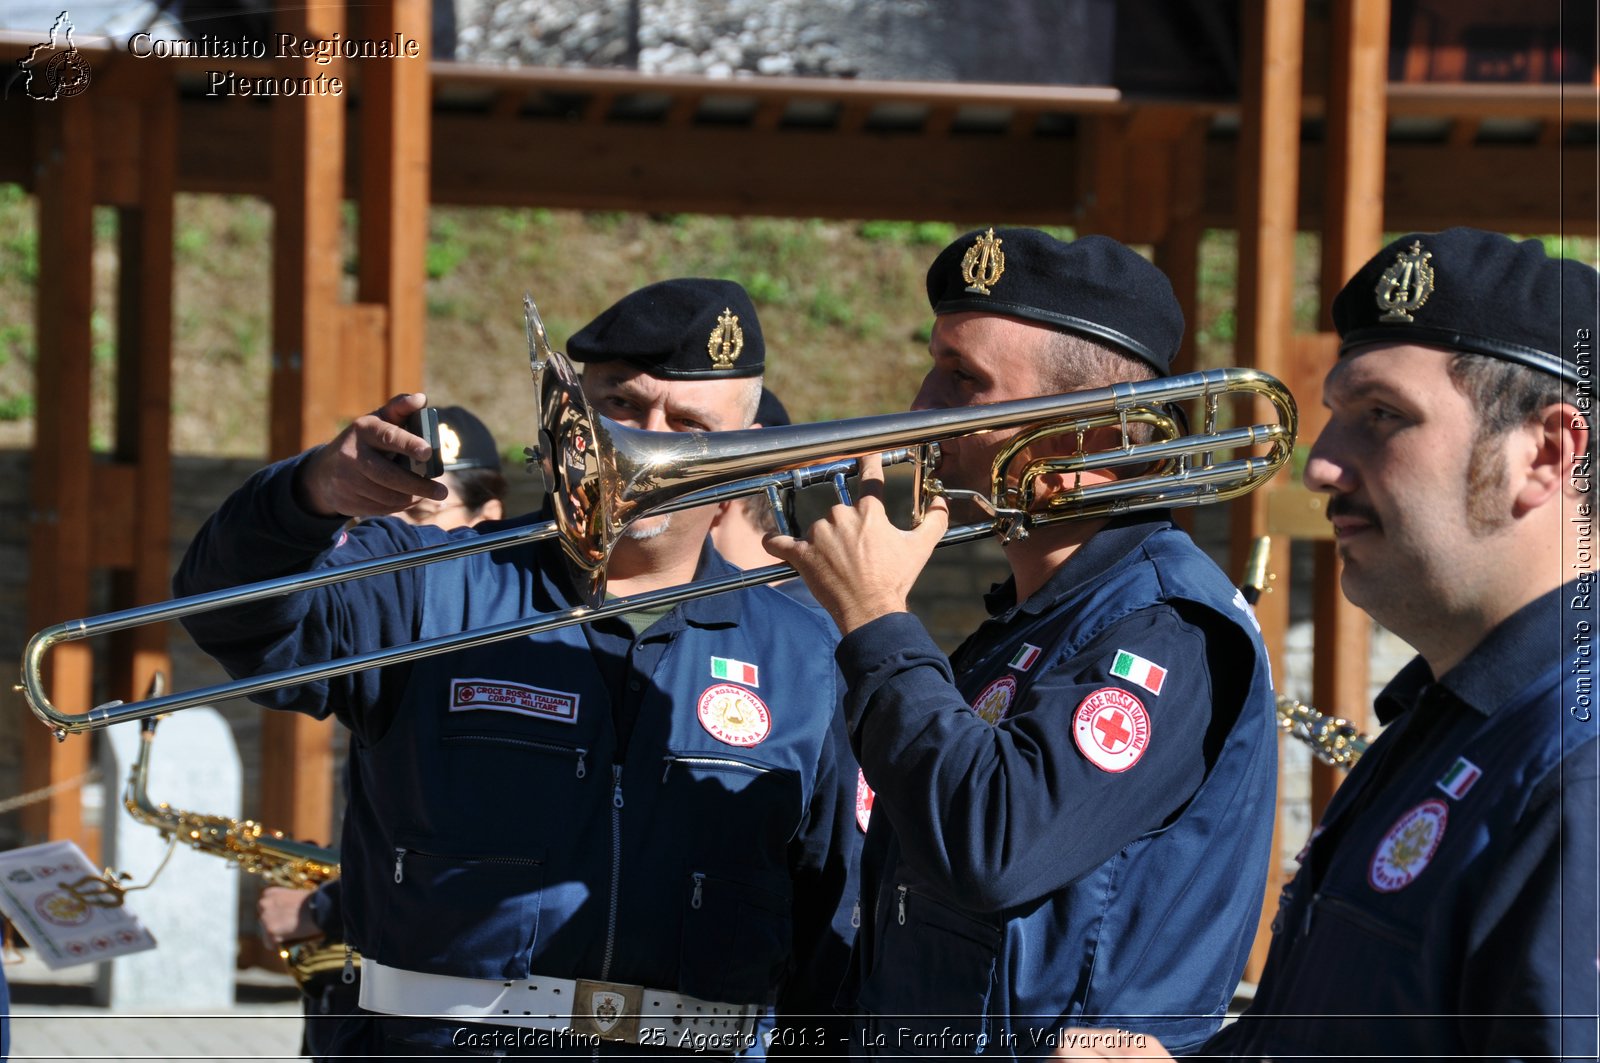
{"x": 481, "y": 913}
{"x": 712, "y": 798}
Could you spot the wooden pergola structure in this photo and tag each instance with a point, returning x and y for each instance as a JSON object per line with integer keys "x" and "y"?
{"x": 1342, "y": 152}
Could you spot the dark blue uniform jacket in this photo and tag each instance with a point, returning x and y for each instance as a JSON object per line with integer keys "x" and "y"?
{"x": 557, "y": 804}
{"x": 1018, "y": 876}
{"x": 1446, "y": 906}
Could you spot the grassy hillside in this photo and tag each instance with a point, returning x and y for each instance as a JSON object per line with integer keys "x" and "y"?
{"x": 841, "y": 304}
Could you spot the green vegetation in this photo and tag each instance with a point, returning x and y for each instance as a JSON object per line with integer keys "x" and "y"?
{"x": 842, "y": 305}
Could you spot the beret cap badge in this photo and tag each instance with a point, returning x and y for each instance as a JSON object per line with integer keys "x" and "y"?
{"x": 726, "y": 341}
{"x": 449, "y": 445}
{"x": 1405, "y": 286}
{"x": 983, "y": 263}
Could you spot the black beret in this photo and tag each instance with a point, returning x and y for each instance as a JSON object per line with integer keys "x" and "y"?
{"x": 465, "y": 442}
{"x": 770, "y": 412}
{"x": 688, "y": 328}
{"x": 1093, "y": 286}
{"x": 1477, "y": 292}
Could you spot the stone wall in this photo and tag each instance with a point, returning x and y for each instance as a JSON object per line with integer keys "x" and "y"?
{"x": 1060, "y": 42}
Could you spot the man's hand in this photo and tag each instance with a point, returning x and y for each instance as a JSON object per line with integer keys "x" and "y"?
{"x": 285, "y": 916}
{"x": 858, "y": 564}
{"x": 355, "y": 475}
{"x": 1107, "y": 1044}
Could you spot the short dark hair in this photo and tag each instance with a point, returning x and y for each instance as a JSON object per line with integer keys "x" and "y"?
{"x": 479, "y": 486}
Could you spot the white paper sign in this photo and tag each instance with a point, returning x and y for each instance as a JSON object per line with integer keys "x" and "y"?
{"x": 62, "y": 906}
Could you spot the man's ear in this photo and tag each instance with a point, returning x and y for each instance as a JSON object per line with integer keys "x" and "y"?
{"x": 1552, "y": 454}
{"x": 493, "y": 510}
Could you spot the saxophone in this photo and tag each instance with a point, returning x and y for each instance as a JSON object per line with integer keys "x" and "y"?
{"x": 278, "y": 859}
{"x": 1333, "y": 739}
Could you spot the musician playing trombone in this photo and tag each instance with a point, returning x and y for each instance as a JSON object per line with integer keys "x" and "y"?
{"x": 1073, "y": 813}
{"x": 628, "y": 837}
{"x": 1446, "y": 906}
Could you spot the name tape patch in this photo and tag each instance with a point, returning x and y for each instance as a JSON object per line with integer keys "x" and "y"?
{"x": 496, "y": 695}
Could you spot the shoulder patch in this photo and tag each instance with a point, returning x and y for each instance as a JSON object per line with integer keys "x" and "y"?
{"x": 734, "y": 715}
{"x": 1139, "y": 671}
{"x": 1112, "y": 729}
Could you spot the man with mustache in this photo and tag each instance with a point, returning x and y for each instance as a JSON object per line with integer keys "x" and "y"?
{"x": 1446, "y": 906}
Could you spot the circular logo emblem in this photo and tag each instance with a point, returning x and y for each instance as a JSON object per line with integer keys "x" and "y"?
{"x": 1408, "y": 846}
{"x": 864, "y": 797}
{"x": 62, "y": 909}
{"x": 734, "y": 715}
{"x": 995, "y": 701}
{"x": 1112, "y": 729}
{"x": 67, "y": 73}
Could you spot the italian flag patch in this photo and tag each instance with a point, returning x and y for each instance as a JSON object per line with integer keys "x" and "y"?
{"x": 1025, "y": 657}
{"x": 1459, "y": 779}
{"x": 1140, "y": 672}
{"x": 735, "y": 671}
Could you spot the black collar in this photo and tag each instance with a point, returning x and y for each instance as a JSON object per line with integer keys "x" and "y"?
{"x": 1507, "y": 660}
{"x": 1104, "y": 551}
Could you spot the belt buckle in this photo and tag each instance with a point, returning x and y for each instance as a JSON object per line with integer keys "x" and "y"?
{"x": 607, "y": 1010}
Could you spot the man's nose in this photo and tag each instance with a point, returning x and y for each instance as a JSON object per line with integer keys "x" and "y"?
{"x": 1325, "y": 470}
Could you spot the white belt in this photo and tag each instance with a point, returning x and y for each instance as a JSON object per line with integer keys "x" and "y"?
{"x": 609, "y": 1011}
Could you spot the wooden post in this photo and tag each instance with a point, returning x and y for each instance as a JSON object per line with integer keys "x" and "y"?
{"x": 144, "y": 389}
{"x": 1357, "y": 121}
{"x": 396, "y": 108}
{"x": 59, "y": 521}
{"x": 307, "y": 258}
{"x": 1269, "y": 176}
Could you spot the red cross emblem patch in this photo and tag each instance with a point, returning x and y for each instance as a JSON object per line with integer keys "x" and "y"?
{"x": 1112, "y": 729}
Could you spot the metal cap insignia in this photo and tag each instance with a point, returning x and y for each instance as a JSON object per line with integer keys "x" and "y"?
{"x": 1406, "y": 285}
{"x": 983, "y": 263}
{"x": 449, "y": 445}
{"x": 726, "y": 341}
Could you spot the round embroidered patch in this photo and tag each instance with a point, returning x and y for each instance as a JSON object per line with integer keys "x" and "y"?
{"x": 995, "y": 701}
{"x": 864, "y": 796}
{"x": 1112, "y": 729}
{"x": 1408, "y": 846}
{"x": 734, "y": 715}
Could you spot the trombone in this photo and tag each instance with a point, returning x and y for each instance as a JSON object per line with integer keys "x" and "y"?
{"x": 600, "y": 476}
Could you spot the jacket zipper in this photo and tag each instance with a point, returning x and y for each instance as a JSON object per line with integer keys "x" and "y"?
{"x": 401, "y": 852}
{"x": 616, "y": 869}
{"x": 546, "y": 747}
{"x": 715, "y": 762}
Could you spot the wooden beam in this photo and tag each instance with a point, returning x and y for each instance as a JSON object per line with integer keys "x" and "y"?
{"x": 395, "y": 142}
{"x": 1352, "y": 232}
{"x": 59, "y": 561}
{"x": 307, "y": 173}
{"x": 1269, "y": 178}
{"x": 144, "y": 389}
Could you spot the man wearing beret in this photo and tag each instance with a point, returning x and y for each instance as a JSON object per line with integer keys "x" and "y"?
{"x": 627, "y": 837}
{"x": 1073, "y": 813}
{"x": 1446, "y": 906}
